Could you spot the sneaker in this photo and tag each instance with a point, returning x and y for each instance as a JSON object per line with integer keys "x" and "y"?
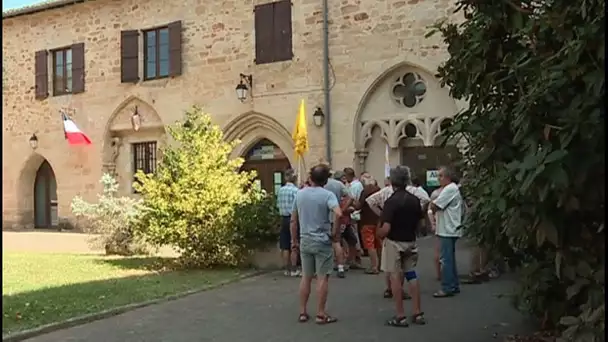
{"x": 341, "y": 274}
{"x": 286, "y": 273}
{"x": 295, "y": 273}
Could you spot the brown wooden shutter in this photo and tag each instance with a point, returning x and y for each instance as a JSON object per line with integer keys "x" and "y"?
{"x": 78, "y": 68}
{"x": 283, "y": 50}
{"x": 264, "y": 17}
{"x": 129, "y": 55}
{"x": 41, "y": 71}
{"x": 175, "y": 48}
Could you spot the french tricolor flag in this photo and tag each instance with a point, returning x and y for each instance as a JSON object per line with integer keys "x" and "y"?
{"x": 73, "y": 134}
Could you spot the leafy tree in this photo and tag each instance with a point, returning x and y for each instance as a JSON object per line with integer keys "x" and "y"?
{"x": 198, "y": 202}
{"x": 533, "y": 75}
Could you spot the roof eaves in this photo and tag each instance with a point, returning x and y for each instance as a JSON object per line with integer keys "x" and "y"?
{"x": 40, "y": 7}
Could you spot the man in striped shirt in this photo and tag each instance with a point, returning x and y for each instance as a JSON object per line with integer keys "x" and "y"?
{"x": 286, "y": 196}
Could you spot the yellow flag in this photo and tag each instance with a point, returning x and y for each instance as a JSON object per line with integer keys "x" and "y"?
{"x": 300, "y": 133}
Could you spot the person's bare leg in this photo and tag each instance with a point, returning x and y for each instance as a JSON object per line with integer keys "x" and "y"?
{"x": 373, "y": 258}
{"x": 286, "y": 256}
{"x": 304, "y": 292}
{"x": 294, "y": 261}
{"x": 414, "y": 288}
{"x": 340, "y": 258}
{"x": 322, "y": 289}
{"x": 396, "y": 280}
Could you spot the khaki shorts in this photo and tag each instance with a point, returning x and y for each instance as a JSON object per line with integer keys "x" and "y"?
{"x": 398, "y": 256}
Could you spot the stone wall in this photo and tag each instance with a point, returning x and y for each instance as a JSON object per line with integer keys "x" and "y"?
{"x": 366, "y": 38}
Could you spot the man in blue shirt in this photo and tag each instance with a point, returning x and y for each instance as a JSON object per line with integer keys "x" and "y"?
{"x": 312, "y": 209}
{"x": 286, "y": 197}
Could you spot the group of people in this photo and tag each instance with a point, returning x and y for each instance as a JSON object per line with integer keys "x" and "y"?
{"x": 333, "y": 216}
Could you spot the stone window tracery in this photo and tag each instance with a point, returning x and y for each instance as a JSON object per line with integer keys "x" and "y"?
{"x": 409, "y": 89}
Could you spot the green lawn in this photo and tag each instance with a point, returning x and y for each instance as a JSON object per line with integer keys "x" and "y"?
{"x": 38, "y": 289}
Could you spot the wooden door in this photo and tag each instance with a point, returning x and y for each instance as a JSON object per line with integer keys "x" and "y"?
{"x": 269, "y": 173}
{"x": 45, "y": 197}
{"x": 269, "y": 162}
{"x": 421, "y": 159}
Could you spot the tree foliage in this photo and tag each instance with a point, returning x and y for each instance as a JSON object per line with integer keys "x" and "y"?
{"x": 198, "y": 202}
{"x": 533, "y": 75}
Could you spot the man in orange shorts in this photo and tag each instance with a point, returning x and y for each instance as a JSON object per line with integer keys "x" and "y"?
{"x": 368, "y": 222}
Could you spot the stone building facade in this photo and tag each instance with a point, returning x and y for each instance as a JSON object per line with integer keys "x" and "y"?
{"x": 97, "y": 61}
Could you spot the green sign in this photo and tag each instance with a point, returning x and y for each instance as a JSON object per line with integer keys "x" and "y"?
{"x": 432, "y": 178}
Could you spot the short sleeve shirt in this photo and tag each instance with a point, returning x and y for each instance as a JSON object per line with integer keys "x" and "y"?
{"x": 356, "y": 188}
{"x": 451, "y": 209}
{"x": 403, "y": 212}
{"x": 338, "y": 189}
{"x": 314, "y": 205}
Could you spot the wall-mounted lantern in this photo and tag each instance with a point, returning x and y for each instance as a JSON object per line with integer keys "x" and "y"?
{"x": 244, "y": 86}
{"x": 136, "y": 120}
{"x": 318, "y": 117}
{"x": 34, "y": 141}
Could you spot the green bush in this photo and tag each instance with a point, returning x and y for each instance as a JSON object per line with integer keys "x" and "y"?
{"x": 110, "y": 220}
{"x": 199, "y": 203}
{"x": 533, "y": 75}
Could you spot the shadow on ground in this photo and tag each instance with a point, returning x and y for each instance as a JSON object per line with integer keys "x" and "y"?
{"x": 35, "y": 308}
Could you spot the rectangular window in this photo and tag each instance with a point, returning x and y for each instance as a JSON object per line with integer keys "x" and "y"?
{"x": 156, "y": 53}
{"x": 144, "y": 157}
{"x": 62, "y": 71}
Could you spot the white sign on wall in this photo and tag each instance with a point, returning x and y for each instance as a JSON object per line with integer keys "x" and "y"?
{"x": 432, "y": 178}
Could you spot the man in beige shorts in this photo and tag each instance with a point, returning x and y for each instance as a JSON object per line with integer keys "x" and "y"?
{"x": 401, "y": 217}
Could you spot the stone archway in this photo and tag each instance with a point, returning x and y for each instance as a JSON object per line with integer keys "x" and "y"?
{"x": 37, "y": 173}
{"x": 251, "y": 127}
{"x": 403, "y": 107}
{"x": 269, "y": 162}
{"x": 125, "y": 149}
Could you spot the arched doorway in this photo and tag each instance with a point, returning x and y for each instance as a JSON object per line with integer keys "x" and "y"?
{"x": 269, "y": 162}
{"x": 402, "y": 116}
{"x": 45, "y": 197}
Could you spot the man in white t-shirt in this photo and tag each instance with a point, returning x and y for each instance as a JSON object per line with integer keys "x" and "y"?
{"x": 448, "y": 207}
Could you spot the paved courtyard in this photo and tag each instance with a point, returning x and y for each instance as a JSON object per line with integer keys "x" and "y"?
{"x": 264, "y": 309}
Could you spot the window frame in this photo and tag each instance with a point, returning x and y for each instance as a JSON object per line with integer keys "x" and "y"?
{"x": 149, "y": 155}
{"x": 156, "y": 31}
{"x": 54, "y": 52}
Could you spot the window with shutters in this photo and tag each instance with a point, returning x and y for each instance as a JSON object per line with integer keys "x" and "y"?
{"x": 62, "y": 71}
{"x": 156, "y": 53}
{"x": 273, "y": 32}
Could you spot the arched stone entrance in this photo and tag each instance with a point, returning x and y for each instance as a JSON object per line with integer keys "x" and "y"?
{"x": 269, "y": 162}
{"x": 126, "y": 150}
{"x": 404, "y": 110}
{"x": 251, "y": 127}
{"x": 36, "y": 194}
{"x": 45, "y": 197}
{"x": 265, "y": 145}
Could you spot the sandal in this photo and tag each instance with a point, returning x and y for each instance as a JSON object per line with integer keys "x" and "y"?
{"x": 441, "y": 294}
{"x": 327, "y": 319}
{"x": 371, "y": 271}
{"x": 303, "y": 318}
{"x": 419, "y": 319}
{"x": 400, "y": 322}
